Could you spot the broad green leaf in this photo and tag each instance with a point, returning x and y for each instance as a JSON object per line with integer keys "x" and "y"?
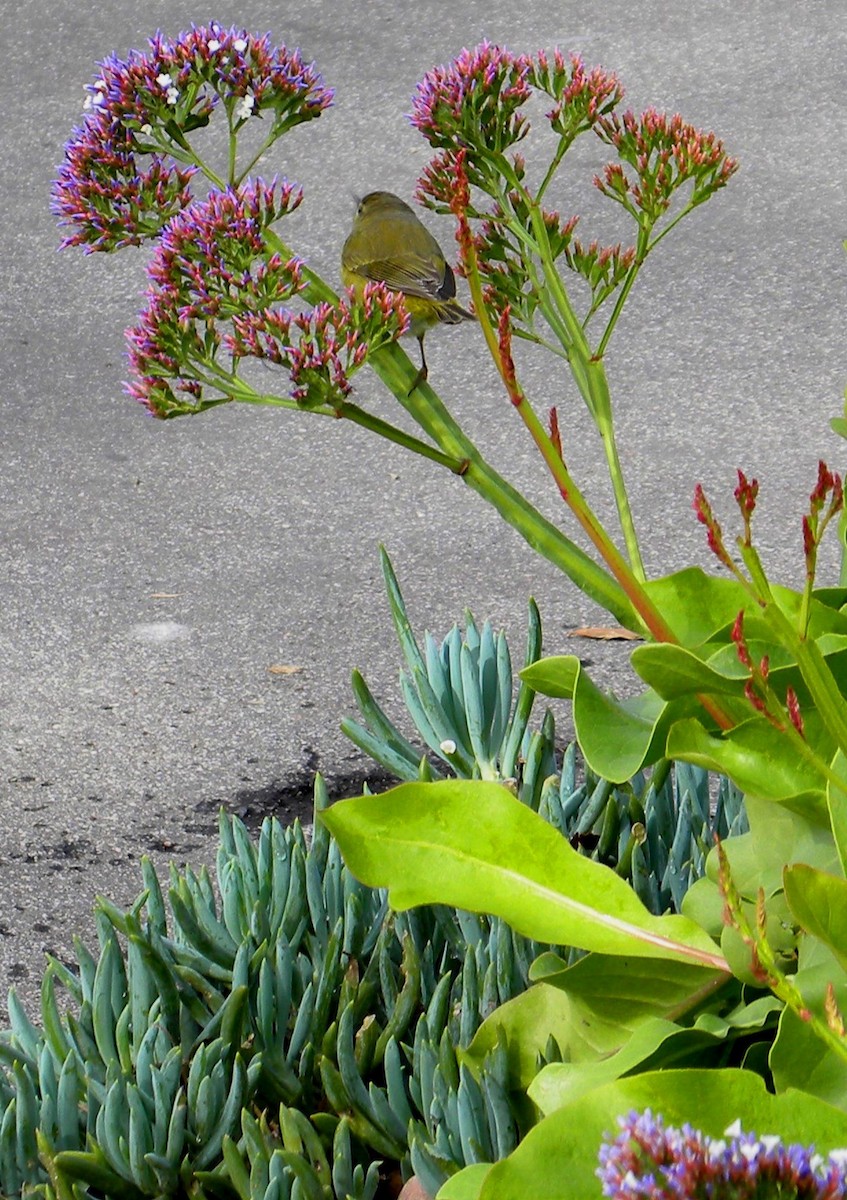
{"x": 703, "y": 903}
{"x": 657, "y": 1044}
{"x": 473, "y": 845}
{"x": 758, "y": 759}
{"x": 466, "y": 1185}
{"x": 777, "y": 837}
{"x": 799, "y": 1057}
{"x": 839, "y": 425}
{"x": 697, "y": 605}
{"x": 617, "y": 738}
{"x": 557, "y": 1159}
{"x": 831, "y": 597}
{"x": 818, "y": 902}
{"x": 590, "y": 1008}
{"x": 673, "y": 671}
{"x": 554, "y": 676}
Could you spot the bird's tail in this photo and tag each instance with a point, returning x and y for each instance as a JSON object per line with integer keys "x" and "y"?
{"x": 450, "y": 312}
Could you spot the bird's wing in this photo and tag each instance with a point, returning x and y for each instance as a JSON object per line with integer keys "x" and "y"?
{"x": 413, "y": 276}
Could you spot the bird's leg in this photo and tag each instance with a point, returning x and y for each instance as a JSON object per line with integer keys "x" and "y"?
{"x": 422, "y": 374}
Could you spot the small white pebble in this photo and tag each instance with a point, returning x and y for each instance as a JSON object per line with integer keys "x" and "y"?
{"x": 160, "y": 631}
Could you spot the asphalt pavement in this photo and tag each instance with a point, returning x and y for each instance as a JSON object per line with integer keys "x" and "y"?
{"x": 152, "y": 574}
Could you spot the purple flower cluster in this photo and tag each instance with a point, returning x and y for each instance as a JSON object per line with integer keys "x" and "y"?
{"x": 106, "y": 198}
{"x": 146, "y": 104}
{"x": 211, "y": 264}
{"x": 665, "y": 152}
{"x": 651, "y": 1161}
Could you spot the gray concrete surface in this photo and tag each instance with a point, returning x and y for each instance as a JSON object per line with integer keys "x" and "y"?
{"x": 152, "y": 573}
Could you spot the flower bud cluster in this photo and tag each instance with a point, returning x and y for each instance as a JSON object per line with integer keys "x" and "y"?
{"x": 475, "y": 107}
{"x": 650, "y": 1160}
{"x": 827, "y": 488}
{"x": 474, "y": 101}
{"x": 106, "y": 198}
{"x": 665, "y": 153}
{"x": 146, "y": 104}
{"x": 581, "y": 96}
{"x": 217, "y": 295}
{"x": 211, "y": 264}
{"x": 322, "y": 348}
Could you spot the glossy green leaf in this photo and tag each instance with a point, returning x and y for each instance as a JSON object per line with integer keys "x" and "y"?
{"x": 799, "y": 1057}
{"x": 697, "y": 605}
{"x": 656, "y": 1044}
{"x": 591, "y": 1008}
{"x": 466, "y": 1185}
{"x": 554, "y": 676}
{"x": 818, "y": 902}
{"x": 777, "y": 837}
{"x": 617, "y": 738}
{"x": 475, "y": 846}
{"x": 758, "y": 759}
{"x": 558, "y": 1158}
{"x": 673, "y": 671}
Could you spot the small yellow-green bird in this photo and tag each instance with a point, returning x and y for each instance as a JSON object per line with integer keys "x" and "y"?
{"x": 388, "y": 244}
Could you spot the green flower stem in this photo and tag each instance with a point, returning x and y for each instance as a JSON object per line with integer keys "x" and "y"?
{"x": 590, "y": 376}
{"x": 397, "y": 372}
{"x": 598, "y": 386}
{"x": 395, "y": 369}
{"x": 265, "y": 146}
{"x": 642, "y": 249}
{"x": 358, "y": 416}
{"x": 570, "y": 493}
{"x": 824, "y": 690}
{"x": 564, "y": 145}
{"x": 180, "y": 139}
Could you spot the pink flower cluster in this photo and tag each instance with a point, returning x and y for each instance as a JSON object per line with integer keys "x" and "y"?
{"x": 321, "y": 348}
{"x": 212, "y": 263}
{"x": 217, "y": 296}
{"x": 664, "y": 152}
{"x": 581, "y": 96}
{"x": 474, "y": 100}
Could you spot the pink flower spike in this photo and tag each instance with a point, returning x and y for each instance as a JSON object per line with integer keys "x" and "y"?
{"x": 504, "y": 333}
{"x": 793, "y": 706}
{"x": 706, "y": 517}
{"x": 738, "y": 638}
